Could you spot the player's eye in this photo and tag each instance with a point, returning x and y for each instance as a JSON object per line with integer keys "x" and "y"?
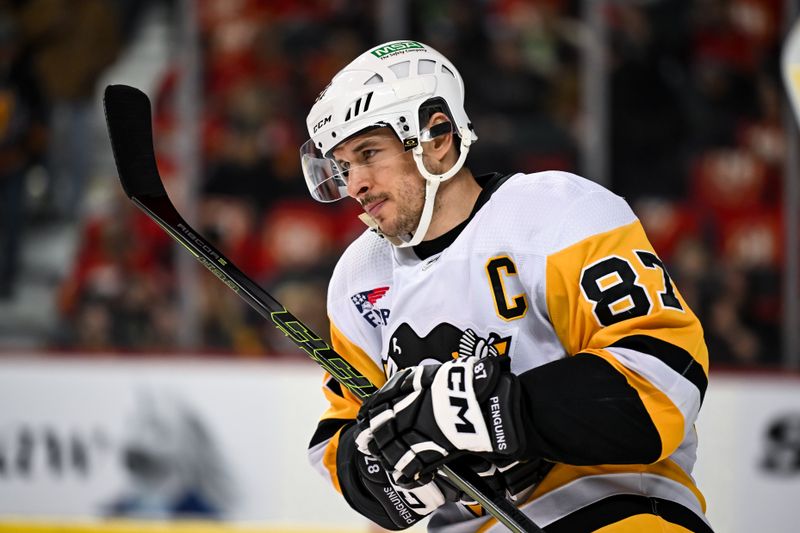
{"x": 368, "y": 154}
{"x": 344, "y": 167}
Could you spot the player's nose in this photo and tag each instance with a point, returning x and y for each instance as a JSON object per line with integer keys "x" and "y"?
{"x": 359, "y": 181}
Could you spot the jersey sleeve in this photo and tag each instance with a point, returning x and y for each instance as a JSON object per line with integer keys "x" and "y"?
{"x": 355, "y": 340}
{"x": 634, "y": 382}
{"x": 343, "y": 406}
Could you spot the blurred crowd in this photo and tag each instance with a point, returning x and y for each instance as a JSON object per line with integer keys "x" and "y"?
{"x": 696, "y": 145}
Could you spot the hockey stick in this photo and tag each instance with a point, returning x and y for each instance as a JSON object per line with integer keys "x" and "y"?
{"x": 127, "y": 111}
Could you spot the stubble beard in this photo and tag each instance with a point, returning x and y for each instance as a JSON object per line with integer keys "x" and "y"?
{"x": 408, "y": 204}
{"x": 409, "y": 211}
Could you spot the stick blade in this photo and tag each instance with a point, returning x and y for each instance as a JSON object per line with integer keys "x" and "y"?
{"x": 130, "y": 129}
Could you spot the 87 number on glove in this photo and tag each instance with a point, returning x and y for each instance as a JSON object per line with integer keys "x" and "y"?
{"x": 373, "y": 465}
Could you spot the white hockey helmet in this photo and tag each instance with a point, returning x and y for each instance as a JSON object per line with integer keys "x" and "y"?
{"x": 385, "y": 86}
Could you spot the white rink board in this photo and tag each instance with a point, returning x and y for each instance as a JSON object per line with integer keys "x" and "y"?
{"x": 65, "y": 423}
{"x": 83, "y": 414}
{"x": 743, "y": 496}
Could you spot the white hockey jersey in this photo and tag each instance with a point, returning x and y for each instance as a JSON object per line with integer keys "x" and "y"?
{"x": 548, "y": 266}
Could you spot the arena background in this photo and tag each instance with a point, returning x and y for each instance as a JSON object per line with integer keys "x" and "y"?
{"x": 137, "y": 393}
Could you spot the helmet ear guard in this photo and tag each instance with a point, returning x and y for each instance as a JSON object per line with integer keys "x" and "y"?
{"x": 427, "y": 135}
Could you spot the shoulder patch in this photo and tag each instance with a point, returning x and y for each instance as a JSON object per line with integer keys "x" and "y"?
{"x": 365, "y": 305}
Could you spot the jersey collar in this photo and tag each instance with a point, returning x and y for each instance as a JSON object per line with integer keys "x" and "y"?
{"x": 489, "y": 184}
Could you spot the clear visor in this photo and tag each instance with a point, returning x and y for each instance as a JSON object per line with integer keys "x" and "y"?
{"x": 327, "y": 178}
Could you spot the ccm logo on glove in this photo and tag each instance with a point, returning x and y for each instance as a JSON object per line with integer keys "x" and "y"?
{"x": 455, "y": 382}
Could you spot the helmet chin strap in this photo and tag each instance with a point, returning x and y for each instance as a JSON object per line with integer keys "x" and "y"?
{"x": 431, "y": 186}
{"x": 432, "y": 182}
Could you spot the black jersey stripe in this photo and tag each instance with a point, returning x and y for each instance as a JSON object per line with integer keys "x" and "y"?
{"x": 673, "y": 356}
{"x": 327, "y": 428}
{"x": 598, "y": 407}
{"x": 615, "y": 508}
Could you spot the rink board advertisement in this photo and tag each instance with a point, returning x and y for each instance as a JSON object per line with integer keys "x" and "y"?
{"x": 749, "y": 454}
{"x": 160, "y": 439}
{"x": 84, "y": 439}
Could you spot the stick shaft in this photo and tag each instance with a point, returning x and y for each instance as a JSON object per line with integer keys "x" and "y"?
{"x": 130, "y": 129}
{"x": 315, "y": 347}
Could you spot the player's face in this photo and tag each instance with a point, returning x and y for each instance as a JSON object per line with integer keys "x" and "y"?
{"x": 384, "y": 180}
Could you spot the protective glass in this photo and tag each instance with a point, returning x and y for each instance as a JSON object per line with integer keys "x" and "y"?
{"x": 327, "y": 178}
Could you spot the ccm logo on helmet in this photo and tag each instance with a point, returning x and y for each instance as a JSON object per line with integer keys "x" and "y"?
{"x": 321, "y": 123}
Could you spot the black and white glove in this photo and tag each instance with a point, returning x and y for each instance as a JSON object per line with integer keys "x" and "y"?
{"x": 513, "y": 479}
{"x": 371, "y": 490}
{"x": 427, "y": 415}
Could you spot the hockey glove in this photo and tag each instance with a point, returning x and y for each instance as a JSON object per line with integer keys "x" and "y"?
{"x": 371, "y": 491}
{"x": 514, "y": 479}
{"x": 427, "y": 415}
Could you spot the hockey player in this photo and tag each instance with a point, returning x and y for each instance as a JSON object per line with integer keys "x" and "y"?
{"x": 521, "y": 325}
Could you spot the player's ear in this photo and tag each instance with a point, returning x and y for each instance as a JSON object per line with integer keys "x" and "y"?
{"x": 440, "y": 145}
